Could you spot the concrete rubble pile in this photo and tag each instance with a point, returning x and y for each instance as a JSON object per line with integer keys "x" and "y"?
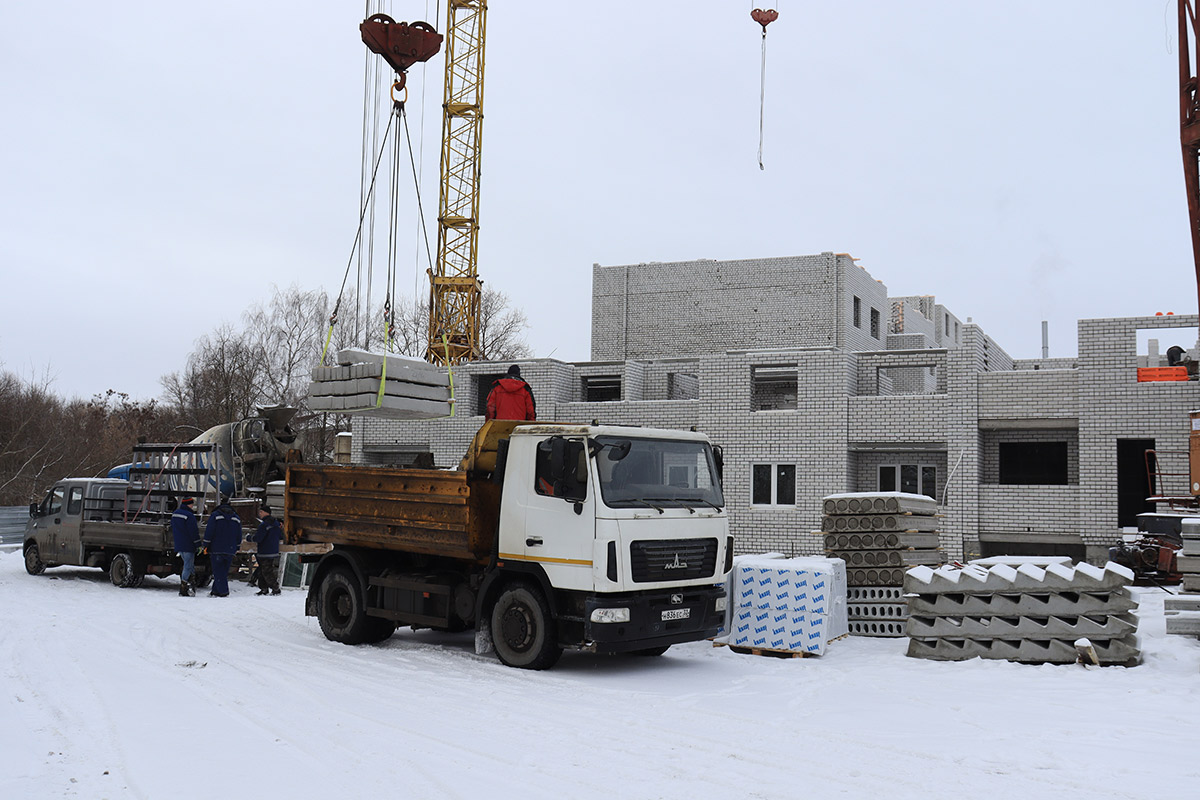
{"x": 785, "y": 605}
{"x": 1183, "y": 610}
{"x": 412, "y": 389}
{"x": 1026, "y": 613}
{"x": 880, "y": 536}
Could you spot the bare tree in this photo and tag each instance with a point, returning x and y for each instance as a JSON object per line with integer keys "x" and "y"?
{"x": 43, "y": 438}
{"x": 501, "y": 328}
{"x": 221, "y": 382}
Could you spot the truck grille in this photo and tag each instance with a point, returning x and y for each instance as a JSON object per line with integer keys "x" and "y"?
{"x": 673, "y": 560}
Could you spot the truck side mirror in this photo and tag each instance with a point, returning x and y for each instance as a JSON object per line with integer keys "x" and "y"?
{"x": 33, "y": 509}
{"x": 557, "y": 457}
{"x": 719, "y": 460}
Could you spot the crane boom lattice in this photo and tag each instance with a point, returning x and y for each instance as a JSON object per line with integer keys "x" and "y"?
{"x": 454, "y": 286}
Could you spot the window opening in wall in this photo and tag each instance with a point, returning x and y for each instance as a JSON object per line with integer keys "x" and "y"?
{"x": 907, "y": 380}
{"x": 857, "y": 313}
{"x": 1133, "y": 481}
{"x": 773, "y": 485}
{"x": 875, "y": 322}
{"x": 682, "y": 386}
{"x": 1033, "y": 463}
{"x": 601, "y": 388}
{"x": 947, "y": 331}
{"x": 773, "y": 388}
{"x": 483, "y": 385}
{"x": 910, "y": 478}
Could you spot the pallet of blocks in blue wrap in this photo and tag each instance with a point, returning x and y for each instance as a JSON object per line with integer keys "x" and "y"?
{"x": 412, "y": 389}
{"x": 784, "y": 605}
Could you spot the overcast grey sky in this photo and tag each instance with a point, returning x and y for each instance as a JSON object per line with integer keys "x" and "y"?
{"x": 165, "y": 164}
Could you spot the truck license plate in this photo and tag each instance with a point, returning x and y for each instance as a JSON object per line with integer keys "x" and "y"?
{"x": 676, "y": 613}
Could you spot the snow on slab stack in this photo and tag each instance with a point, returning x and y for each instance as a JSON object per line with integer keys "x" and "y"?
{"x": 412, "y": 389}
{"x": 788, "y": 605}
{"x": 1025, "y": 613}
{"x": 880, "y": 535}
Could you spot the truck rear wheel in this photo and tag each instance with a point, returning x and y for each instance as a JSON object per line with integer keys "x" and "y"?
{"x": 33, "y": 560}
{"x": 123, "y": 571}
{"x": 523, "y": 631}
{"x": 342, "y": 611}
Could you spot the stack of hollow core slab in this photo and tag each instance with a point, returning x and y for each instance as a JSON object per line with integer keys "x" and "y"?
{"x": 1183, "y": 610}
{"x": 1026, "y": 614}
{"x": 412, "y": 389}
{"x": 880, "y": 535}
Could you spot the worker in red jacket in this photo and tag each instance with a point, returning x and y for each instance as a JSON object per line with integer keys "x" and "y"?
{"x": 511, "y": 398}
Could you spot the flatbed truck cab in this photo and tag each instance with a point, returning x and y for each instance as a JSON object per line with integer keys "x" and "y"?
{"x": 600, "y": 538}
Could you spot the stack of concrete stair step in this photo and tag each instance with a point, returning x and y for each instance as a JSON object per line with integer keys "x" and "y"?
{"x": 880, "y": 536}
{"x": 1183, "y": 611}
{"x": 412, "y": 389}
{"x": 1026, "y": 613}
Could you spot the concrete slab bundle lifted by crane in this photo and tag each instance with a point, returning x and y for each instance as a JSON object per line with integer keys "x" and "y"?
{"x": 411, "y": 389}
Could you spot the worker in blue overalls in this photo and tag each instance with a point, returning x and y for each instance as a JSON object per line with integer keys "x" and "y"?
{"x": 222, "y": 537}
{"x": 185, "y": 535}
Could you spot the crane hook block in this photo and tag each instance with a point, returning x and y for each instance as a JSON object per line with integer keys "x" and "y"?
{"x": 401, "y": 44}
{"x": 762, "y": 17}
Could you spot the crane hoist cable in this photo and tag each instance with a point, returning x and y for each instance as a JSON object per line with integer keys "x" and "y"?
{"x": 401, "y": 45}
{"x": 357, "y": 238}
{"x": 763, "y": 17}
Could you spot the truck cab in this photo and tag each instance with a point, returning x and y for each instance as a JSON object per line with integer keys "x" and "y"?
{"x": 55, "y": 524}
{"x": 626, "y": 524}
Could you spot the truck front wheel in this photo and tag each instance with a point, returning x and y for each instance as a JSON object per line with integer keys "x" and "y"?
{"x": 523, "y": 631}
{"x": 123, "y": 572}
{"x": 342, "y": 611}
{"x": 33, "y": 560}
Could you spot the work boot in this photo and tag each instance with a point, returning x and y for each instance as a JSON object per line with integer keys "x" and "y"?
{"x": 185, "y": 590}
{"x": 260, "y": 592}
{"x": 274, "y": 591}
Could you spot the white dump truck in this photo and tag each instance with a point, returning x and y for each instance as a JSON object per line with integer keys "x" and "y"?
{"x": 549, "y": 536}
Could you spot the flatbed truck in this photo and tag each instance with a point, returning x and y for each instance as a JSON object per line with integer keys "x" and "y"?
{"x": 86, "y": 522}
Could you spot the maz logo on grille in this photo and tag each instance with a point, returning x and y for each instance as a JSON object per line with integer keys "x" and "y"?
{"x": 672, "y": 560}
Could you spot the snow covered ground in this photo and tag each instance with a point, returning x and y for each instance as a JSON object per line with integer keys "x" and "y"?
{"x": 114, "y": 693}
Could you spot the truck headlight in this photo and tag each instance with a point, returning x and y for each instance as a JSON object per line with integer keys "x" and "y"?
{"x": 610, "y": 615}
{"x": 720, "y": 603}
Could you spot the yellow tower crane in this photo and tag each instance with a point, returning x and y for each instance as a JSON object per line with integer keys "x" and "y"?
{"x": 454, "y": 285}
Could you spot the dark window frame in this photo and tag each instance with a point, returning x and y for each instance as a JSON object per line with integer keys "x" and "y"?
{"x": 781, "y": 484}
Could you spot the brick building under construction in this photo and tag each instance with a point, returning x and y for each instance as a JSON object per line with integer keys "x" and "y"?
{"x": 815, "y": 382}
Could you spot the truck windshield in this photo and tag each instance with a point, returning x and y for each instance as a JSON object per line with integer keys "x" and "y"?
{"x": 657, "y": 473}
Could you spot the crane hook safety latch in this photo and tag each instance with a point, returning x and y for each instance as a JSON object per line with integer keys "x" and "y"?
{"x": 401, "y": 44}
